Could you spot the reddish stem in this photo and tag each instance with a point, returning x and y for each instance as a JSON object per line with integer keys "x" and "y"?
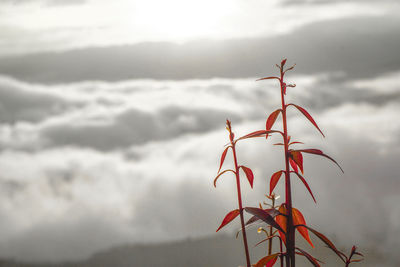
{"x": 240, "y": 205}
{"x": 290, "y": 237}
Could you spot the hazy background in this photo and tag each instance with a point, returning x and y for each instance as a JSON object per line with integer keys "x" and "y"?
{"x": 112, "y": 119}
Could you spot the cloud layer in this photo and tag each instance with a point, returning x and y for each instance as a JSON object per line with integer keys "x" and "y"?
{"x": 89, "y": 165}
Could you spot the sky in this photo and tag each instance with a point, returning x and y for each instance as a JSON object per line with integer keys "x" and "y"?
{"x": 112, "y": 118}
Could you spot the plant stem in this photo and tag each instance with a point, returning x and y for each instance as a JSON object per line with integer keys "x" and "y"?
{"x": 290, "y": 237}
{"x": 270, "y": 231}
{"x": 240, "y": 206}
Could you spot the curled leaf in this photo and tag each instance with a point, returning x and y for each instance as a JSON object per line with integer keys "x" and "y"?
{"x": 216, "y": 178}
{"x": 274, "y": 180}
{"x": 249, "y": 175}
{"x": 320, "y": 153}
{"x": 298, "y": 219}
{"x": 306, "y": 185}
{"x": 308, "y": 116}
{"x": 228, "y": 218}
{"x": 267, "y": 261}
{"x": 264, "y": 216}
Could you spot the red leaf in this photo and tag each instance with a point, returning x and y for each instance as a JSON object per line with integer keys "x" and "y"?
{"x": 313, "y": 260}
{"x": 271, "y": 119}
{"x": 320, "y": 153}
{"x": 296, "y": 142}
{"x": 223, "y": 158}
{"x": 274, "y": 180}
{"x": 216, "y": 178}
{"x": 283, "y": 62}
{"x": 272, "y": 212}
{"x": 298, "y": 218}
{"x": 306, "y": 185}
{"x": 228, "y": 218}
{"x": 325, "y": 240}
{"x": 305, "y": 113}
{"x": 293, "y": 164}
{"x": 258, "y": 134}
{"x": 298, "y": 158}
{"x": 264, "y": 216}
{"x": 267, "y": 261}
{"x": 249, "y": 175}
{"x": 282, "y": 221}
{"x": 267, "y": 78}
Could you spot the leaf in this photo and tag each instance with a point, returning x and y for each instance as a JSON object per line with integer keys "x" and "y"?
{"x": 223, "y": 158}
{"x": 271, "y": 119}
{"x": 274, "y": 180}
{"x": 292, "y": 143}
{"x": 228, "y": 218}
{"x": 258, "y": 134}
{"x": 293, "y": 164}
{"x": 266, "y": 239}
{"x": 305, "y": 113}
{"x": 216, "y": 178}
{"x": 264, "y": 216}
{"x": 283, "y": 62}
{"x": 325, "y": 240}
{"x": 298, "y": 158}
{"x": 267, "y": 261}
{"x": 253, "y": 219}
{"x": 267, "y": 78}
{"x": 313, "y": 260}
{"x": 306, "y": 185}
{"x": 298, "y": 218}
{"x": 249, "y": 175}
{"x": 320, "y": 153}
{"x": 282, "y": 221}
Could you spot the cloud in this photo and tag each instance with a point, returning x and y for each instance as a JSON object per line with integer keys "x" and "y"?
{"x": 21, "y": 102}
{"x": 352, "y": 46}
{"x": 130, "y": 149}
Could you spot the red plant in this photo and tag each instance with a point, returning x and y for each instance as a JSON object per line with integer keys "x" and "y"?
{"x": 286, "y": 219}
{"x": 249, "y": 174}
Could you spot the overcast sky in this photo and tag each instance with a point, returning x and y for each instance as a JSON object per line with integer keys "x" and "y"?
{"x": 112, "y": 118}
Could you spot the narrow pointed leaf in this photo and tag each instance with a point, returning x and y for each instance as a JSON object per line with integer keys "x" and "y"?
{"x": 264, "y": 216}
{"x": 298, "y": 218}
{"x": 298, "y": 158}
{"x": 313, "y": 260}
{"x": 223, "y": 158}
{"x": 249, "y": 175}
{"x": 267, "y": 78}
{"x": 271, "y": 119}
{"x": 228, "y": 218}
{"x": 279, "y": 144}
{"x": 266, "y": 239}
{"x": 320, "y": 153}
{"x": 324, "y": 239}
{"x": 258, "y": 134}
{"x": 267, "y": 261}
{"x": 306, "y": 185}
{"x": 356, "y": 260}
{"x": 253, "y": 219}
{"x": 292, "y": 143}
{"x": 274, "y": 180}
{"x": 216, "y": 178}
{"x": 293, "y": 164}
{"x": 282, "y": 221}
{"x": 283, "y": 62}
{"x": 308, "y": 116}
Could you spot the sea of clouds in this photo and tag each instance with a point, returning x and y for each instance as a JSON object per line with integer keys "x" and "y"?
{"x": 89, "y": 165}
